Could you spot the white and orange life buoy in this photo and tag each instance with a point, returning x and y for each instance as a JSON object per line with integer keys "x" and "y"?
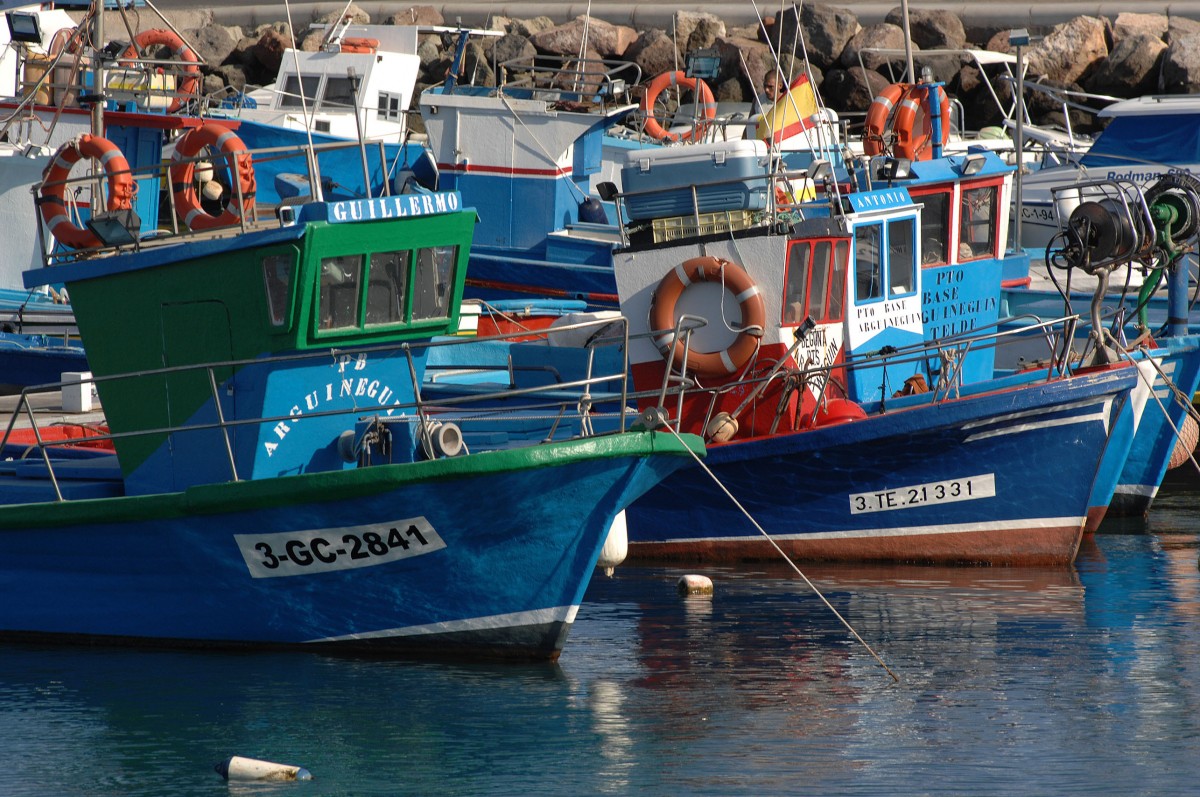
{"x": 895, "y": 122}
{"x": 187, "y": 201}
{"x": 880, "y": 116}
{"x": 50, "y": 199}
{"x": 735, "y": 280}
{"x": 915, "y": 133}
{"x": 704, "y": 97}
{"x": 191, "y": 64}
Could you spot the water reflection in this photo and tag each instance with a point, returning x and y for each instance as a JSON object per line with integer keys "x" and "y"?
{"x": 1012, "y": 680}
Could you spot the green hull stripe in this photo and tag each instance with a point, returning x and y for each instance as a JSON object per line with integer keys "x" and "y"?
{"x": 213, "y": 499}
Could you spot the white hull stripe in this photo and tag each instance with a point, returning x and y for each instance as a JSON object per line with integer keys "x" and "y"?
{"x": 1041, "y": 411}
{"x": 558, "y": 614}
{"x": 908, "y": 531}
{"x": 1101, "y": 416}
{"x": 1146, "y": 490}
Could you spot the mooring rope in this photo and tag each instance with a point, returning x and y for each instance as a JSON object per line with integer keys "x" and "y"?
{"x": 786, "y": 558}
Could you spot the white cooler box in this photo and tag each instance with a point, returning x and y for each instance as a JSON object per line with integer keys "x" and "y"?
{"x": 728, "y": 175}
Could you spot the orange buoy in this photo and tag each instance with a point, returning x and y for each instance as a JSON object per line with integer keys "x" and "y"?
{"x": 51, "y": 201}
{"x": 187, "y": 202}
{"x": 703, "y": 94}
{"x": 191, "y": 64}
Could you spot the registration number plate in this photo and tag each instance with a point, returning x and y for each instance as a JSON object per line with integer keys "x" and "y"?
{"x": 944, "y": 492}
{"x": 300, "y": 553}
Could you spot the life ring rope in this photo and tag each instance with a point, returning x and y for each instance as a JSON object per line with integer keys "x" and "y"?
{"x": 704, "y": 96}
{"x": 51, "y": 196}
{"x": 745, "y": 291}
{"x": 183, "y": 169}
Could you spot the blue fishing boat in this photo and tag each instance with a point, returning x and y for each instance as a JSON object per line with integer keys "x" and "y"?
{"x": 277, "y": 479}
{"x": 830, "y": 419}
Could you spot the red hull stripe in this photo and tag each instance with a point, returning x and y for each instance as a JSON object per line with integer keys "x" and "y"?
{"x": 473, "y": 168}
{"x": 1046, "y": 545}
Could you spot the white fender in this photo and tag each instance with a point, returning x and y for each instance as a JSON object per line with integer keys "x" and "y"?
{"x": 616, "y": 545}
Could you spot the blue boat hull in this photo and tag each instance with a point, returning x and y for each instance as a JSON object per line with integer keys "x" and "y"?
{"x": 346, "y": 561}
{"x": 1157, "y": 432}
{"x": 1010, "y": 484}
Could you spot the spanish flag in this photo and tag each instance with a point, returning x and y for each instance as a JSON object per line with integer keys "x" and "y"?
{"x": 790, "y": 115}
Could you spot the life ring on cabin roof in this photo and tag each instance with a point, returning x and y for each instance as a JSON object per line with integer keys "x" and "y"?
{"x": 50, "y": 199}
{"x": 703, "y": 94}
{"x": 191, "y": 64}
{"x": 914, "y": 133}
{"x": 879, "y": 117}
{"x": 187, "y": 201}
{"x": 735, "y": 280}
{"x": 359, "y": 45}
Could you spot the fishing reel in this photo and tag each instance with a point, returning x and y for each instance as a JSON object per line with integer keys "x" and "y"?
{"x": 1119, "y": 224}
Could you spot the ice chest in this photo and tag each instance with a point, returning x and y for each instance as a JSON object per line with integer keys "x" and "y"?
{"x": 727, "y": 175}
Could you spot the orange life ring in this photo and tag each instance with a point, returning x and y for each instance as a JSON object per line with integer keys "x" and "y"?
{"x": 879, "y": 117}
{"x": 734, "y": 279}
{"x": 359, "y": 45}
{"x": 914, "y": 135}
{"x": 703, "y": 94}
{"x": 187, "y": 202}
{"x": 191, "y": 64}
{"x": 50, "y": 200}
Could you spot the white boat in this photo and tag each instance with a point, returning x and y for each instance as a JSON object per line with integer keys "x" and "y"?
{"x": 1146, "y": 138}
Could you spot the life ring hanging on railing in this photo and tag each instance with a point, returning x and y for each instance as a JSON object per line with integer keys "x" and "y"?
{"x": 893, "y": 122}
{"x": 50, "y": 199}
{"x": 191, "y": 64}
{"x": 704, "y": 98}
{"x": 880, "y": 116}
{"x": 734, "y": 279}
{"x": 187, "y": 201}
{"x": 915, "y": 133}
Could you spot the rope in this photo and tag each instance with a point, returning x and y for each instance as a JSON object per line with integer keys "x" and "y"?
{"x": 1184, "y": 401}
{"x": 786, "y": 558}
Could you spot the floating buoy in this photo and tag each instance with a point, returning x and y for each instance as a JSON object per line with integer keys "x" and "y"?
{"x": 239, "y": 768}
{"x": 616, "y": 545}
{"x": 695, "y": 585}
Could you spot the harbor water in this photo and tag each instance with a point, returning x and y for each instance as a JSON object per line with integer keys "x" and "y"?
{"x": 1082, "y": 680}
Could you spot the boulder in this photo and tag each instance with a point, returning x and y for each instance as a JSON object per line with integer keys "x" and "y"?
{"x": 1181, "y": 65}
{"x": 1071, "y": 50}
{"x": 1131, "y": 69}
{"x": 1129, "y": 24}
{"x": 356, "y": 15}
{"x": 268, "y": 50}
{"x": 417, "y": 15}
{"x": 827, "y": 31}
{"x": 604, "y": 38}
{"x": 212, "y": 43}
{"x": 883, "y": 35}
{"x": 851, "y": 90}
{"x": 654, "y": 53}
{"x": 932, "y": 29}
{"x": 696, "y": 30}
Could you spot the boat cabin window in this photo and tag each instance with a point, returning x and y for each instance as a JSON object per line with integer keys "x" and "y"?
{"x": 877, "y": 276}
{"x": 338, "y": 94}
{"x": 387, "y": 287}
{"x": 902, "y": 257}
{"x": 391, "y": 106}
{"x": 277, "y": 275}
{"x": 433, "y": 284}
{"x": 291, "y": 91}
{"x": 868, "y": 264}
{"x": 340, "y": 280}
{"x": 935, "y": 227}
{"x": 816, "y": 281}
{"x": 978, "y": 221}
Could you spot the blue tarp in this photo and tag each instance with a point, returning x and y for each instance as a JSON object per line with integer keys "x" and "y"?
{"x": 1150, "y": 139}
